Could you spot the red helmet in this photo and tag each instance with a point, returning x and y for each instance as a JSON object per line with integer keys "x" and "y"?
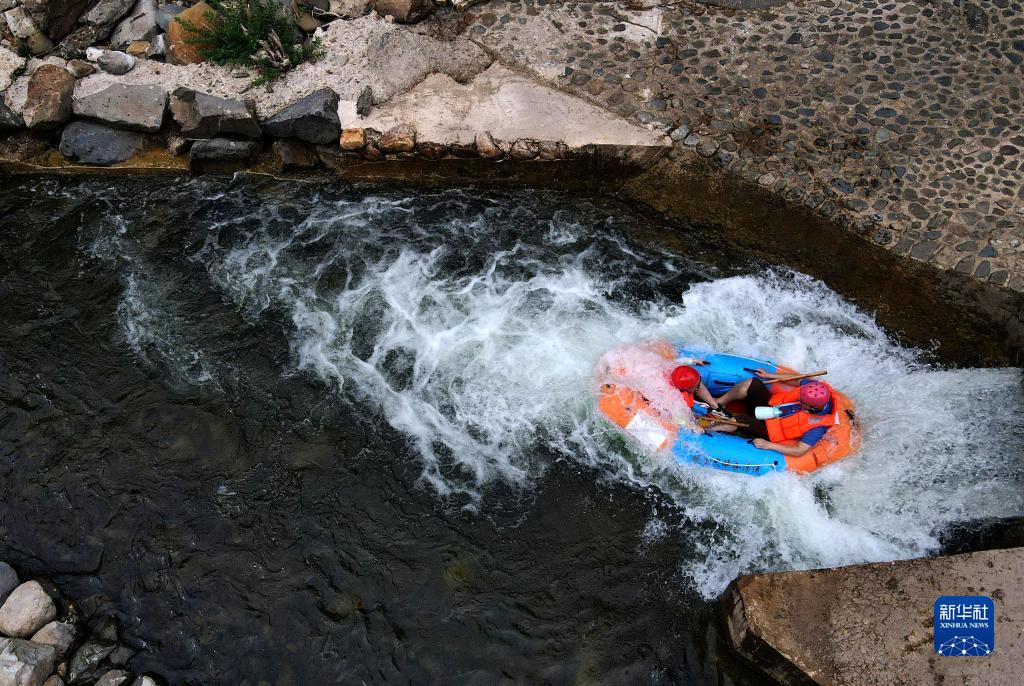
{"x": 815, "y": 394}
{"x": 685, "y": 378}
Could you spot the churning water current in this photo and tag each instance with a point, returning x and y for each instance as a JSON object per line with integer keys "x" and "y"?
{"x": 470, "y": 323}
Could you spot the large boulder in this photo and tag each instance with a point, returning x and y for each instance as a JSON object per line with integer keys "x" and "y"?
{"x": 140, "y": 24}
{"x": 26, "y": 610}
{"x": 48, "y": 103}
{"x": 135, "y": 107}
{"x": 89, "y": 142}
{"x": 8, "y": 577}
{"x": 60, "y": 635}
{"x": 23, "y": 663}
{"x": 11, "y": 64}
{"x": 405, "y": 11}
{"x": 313, "y": 119}
{"x": 206, "y": 116}
{"x": 290, "y": 154}
{"x": 26, "y": 31}
{"x": 220, "y": 155}
{"x": 179, "y": 51}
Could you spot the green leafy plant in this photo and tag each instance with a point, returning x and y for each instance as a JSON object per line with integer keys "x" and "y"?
{"x": 251, "y": 33}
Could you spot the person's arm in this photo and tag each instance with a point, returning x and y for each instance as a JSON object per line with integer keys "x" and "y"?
{"x": 792, "y": 450}
{"x": 704, "y": 395}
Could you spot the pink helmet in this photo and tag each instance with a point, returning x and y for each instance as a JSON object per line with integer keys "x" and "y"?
{"x": 815, "y": 394}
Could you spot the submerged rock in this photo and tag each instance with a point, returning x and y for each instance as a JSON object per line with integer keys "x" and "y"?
{"x": 8, "y": 577}
{"x": 115, "y": 677}
{"x": 26, "y": 610}
{"x": 313, "y": 119}
{"x": 94, "y": 143}
{"x": 205, "y": 116}
{"x": 23, "y": 663}
{"x": 135, "y": 107}
{"x": 48, "y": 104}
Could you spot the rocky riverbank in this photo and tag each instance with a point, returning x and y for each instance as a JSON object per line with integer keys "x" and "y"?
{"x": 45, "y": 640}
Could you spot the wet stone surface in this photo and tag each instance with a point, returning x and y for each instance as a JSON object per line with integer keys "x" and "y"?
{"x": 901, "y": 121}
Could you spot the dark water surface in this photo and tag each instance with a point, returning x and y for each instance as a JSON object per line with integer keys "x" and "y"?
{"x": 166, "y": 455}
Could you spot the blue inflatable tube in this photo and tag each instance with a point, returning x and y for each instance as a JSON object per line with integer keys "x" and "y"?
{"x": 727, "y": 452}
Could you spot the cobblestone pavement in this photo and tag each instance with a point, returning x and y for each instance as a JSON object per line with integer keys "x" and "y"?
{"x": 903, "y": 121}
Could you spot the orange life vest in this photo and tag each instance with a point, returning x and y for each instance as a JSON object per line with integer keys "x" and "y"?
{"x": 792, "y": 427}
{"x": 688, "y": 398}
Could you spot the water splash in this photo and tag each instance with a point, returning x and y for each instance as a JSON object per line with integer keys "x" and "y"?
{"x": 472, "y": 324}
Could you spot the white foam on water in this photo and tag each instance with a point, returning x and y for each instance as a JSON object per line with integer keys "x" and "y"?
{"x": 482, "y": 352}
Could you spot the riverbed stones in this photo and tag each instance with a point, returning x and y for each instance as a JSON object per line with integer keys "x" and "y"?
{"x": 115, "y": 677}
{"x": 524, "y": 149}
{"x": 9, "y": 121}
{"x": 220, "y": 155}
{"x": 206, "y": 116}
{"x": 138, "y": 25}
{"x": 80, "y": 68}
{"x": 404, "y": 11}
{"x": 114, "y": 62}
{"x": 291, "y": 154}
{"x": 89, "y": 142}
{"x": 352, "y": 139}
{"x": 313, "y": 119}
{"x": 27, "y": 609}
{"x": 179, "y": 49}
{"x": 11, "y": 64}
{"x": 8, "y": 577}
{"x": 401, "y": 138}
{"x": 487, "y": 147}
{"x": 133, "y": 107}
{"x": 60, "y": 635}
{"x": 48, "y": 102}
{"x": 24, "y": 663}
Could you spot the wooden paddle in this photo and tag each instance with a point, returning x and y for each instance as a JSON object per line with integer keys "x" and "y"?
{"x": 791, "y": 377}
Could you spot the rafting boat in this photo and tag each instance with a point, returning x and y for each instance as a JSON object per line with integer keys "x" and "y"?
{"x": 629, "y": 379}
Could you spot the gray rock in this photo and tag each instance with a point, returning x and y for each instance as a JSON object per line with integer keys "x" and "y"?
{"x": 23, "y": 663}
{"x": 8, "y": 577}
{"x": 114, "y": 677}
{"x": 60, "y": 635}
{"x": 144, "y": 681}
{"x": 157, "y": 46}
{"x": 140, "y": 24}
{"x": 206, "y": 116}
{"x": 106, "y": 12}
{"x": 680, "y": 134}
{"x": 25, "y": 29}
{"x": 54, "y": 680}
{"x": 94, "y": 143}
{"x": 55, "y": 18}
{"x": 135, "y": 107}
{"x": 313, "y": 119}
{"x": 364, "y": 103}
{"x": 115, "y": 62}
{"x": 26, "y": 610}
{"x": 220, "y": 155}
{"x": 405, "y": 11}
{"x": 166, "y": 14}
{"x": 291, "y": 154}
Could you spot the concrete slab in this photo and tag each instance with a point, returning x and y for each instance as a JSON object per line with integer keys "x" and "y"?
{"x": 506, "y": 103}
{"x": 872, "y": 624}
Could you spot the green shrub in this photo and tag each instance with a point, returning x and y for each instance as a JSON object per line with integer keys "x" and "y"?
{"x": 251, "y": 33}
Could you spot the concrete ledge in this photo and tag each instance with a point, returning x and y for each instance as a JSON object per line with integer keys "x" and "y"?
{"x": 872, "y": 624}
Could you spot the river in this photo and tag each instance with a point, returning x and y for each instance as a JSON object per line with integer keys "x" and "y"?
{"x": 302, "y": 433}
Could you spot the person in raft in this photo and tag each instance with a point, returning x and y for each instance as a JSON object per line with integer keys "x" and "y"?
{"x": 688, "y": 381}
{"x": 806, "y": 412}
